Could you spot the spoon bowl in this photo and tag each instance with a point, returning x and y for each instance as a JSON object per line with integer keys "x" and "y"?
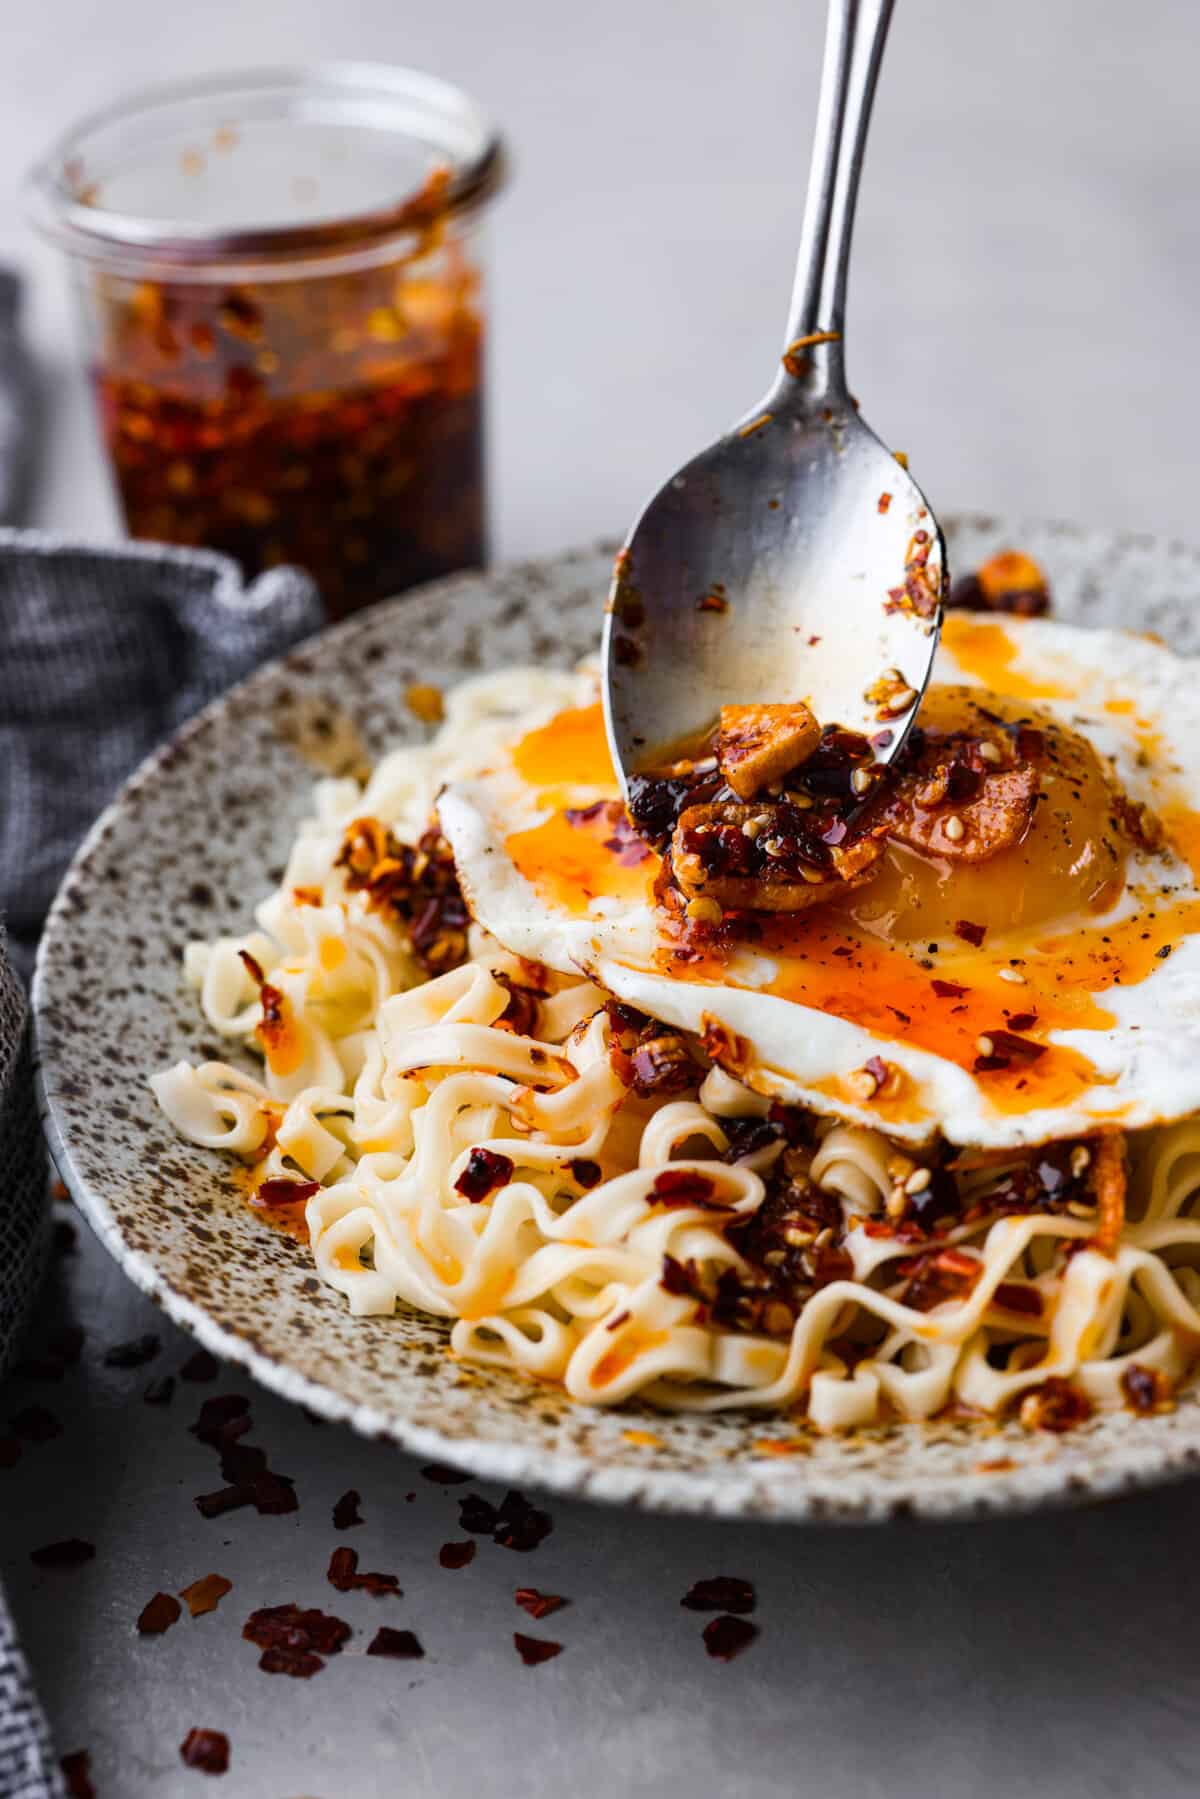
{"x": 795, "y": 558}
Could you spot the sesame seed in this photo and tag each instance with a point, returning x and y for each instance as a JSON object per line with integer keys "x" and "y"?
{"x": 751, "y": 828}
{"x": 773, "y": 846}
{"x": 918, "y": 1181}
{"x": 861, "y": 1084}
{"x": 1012, "y": 975}
{"x": 955, "y": 828}
{"x": 991, "y": 752}
{"x": 704, "y": 911}
{"x": 801, "y": 801}
{"x": 985, "y": 1046}
{"x": 1081, "y": 1159}
{"x": 860, "y": 780}
{"x": 813, "y": 876}
{"x": 896, "y": 1203}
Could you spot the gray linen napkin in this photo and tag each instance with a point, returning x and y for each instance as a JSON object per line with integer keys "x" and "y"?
{"x": 103, "y": 652}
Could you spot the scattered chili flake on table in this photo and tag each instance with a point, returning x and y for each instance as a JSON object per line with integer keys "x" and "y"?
{"x": 293, "y": 1640}
{"x": 401, "y": 1643}
{"x": 158, "y": 1614}
{"x": 723, "y": 1593}
{"x": 539, "y": 1605}
{"x": 200, "y": 1367}
{"x": 134, "y": 1354}
{"x": 477, "y": 1514}
{"x": 456, "y": 1555}
{"x": 204, "y": 1595}
{"x": 442, "y": 1475}
{"x": 345, "y": 1512}
{"x": 223, "y": 1421}
{"x": 343, "y": 1574}
{"x": 533, "y": 1650}
{"x": 207, "y": 1750}
{"x": 71, "y": 1552}
{"x": 76, "y": 1770}
{"x": 520, "y": 1525}
{"x": 725, "y": 1637}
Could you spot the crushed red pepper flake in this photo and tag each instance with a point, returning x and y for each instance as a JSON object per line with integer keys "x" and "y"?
{"x": 343, "y": 1574}
{"x": 299, "y": 1664}
{"x": 202, "y": 1366}
{"x": 134, "y": 1354}
{"x": 722, "y": 1593}
{"x": 477, "y": 1514}
{"x": 70, "y": 1552}
{"x": 293, "y": 1640}
{"x": 276, "y": 1194}
{"x": 443, "y": 1475}
{"x": 1056, "y": 1405}
{"x": 204, "y": 1595}
{"x": 539, "y": 1605}
{"x": 485, "y": 1171}
{"x": 725, "y": 1637}
{"x": 533, "y": 1650}
{"x": 456, "y": 1555}
{"x": 158, "y": 1614}
{"x": 1146, "y": 1389}
{"x": 345, "y": 1512}
{"x": 76, "y": 1772}
{"x": 687, "y": 1187}
{"x": 520, "y": 1525}
{"x": 207, "y": 1750}
{"x": 223, "y": 1420}
{"x": 401, "y": 1644}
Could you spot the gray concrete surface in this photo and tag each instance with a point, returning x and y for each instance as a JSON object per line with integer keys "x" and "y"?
{"x": 1021, "y": 316}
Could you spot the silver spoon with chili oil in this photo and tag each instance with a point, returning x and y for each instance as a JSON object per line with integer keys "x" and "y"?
{"x": 795, "y": 559}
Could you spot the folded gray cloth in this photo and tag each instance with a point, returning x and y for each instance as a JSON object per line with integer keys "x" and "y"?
{"x": 103, "y": 652}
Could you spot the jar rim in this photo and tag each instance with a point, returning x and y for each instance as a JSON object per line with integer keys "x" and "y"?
{"x": 60, "y": 210}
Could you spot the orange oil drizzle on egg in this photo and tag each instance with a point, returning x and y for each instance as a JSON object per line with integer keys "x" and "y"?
{"x": 987, "y": 651}
{"x": 824, "y": 962}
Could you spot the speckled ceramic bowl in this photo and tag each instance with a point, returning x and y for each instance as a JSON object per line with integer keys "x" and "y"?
{"x": 200, "y": 833}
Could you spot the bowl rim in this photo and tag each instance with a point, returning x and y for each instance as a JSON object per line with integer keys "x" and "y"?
{"x": 1139, "y": 1461}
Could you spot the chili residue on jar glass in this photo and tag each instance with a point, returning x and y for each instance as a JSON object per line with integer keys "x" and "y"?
{"x": 282, "y": 292}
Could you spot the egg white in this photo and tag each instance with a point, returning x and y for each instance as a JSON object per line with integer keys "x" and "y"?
{"x": 1129, "y": 695}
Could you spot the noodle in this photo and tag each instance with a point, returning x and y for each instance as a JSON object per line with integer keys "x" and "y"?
{"x": 623, "y": 1244}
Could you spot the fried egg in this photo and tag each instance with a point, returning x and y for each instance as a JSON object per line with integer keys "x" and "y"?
{"x": 1047, "y": 991}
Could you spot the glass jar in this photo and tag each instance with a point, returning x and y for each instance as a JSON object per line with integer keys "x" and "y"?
{"x": 281, "y": 285}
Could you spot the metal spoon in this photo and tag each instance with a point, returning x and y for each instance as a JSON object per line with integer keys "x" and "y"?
{"x": 794, "y": 558}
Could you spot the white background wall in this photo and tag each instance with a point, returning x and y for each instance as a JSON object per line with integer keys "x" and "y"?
{"x": 1023, "y": 298}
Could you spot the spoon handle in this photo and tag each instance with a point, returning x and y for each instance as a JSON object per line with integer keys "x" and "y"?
{"x": 855, "y": 33}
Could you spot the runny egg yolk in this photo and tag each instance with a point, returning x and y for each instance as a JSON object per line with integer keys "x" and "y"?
{"x": 1069, "y": 864}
